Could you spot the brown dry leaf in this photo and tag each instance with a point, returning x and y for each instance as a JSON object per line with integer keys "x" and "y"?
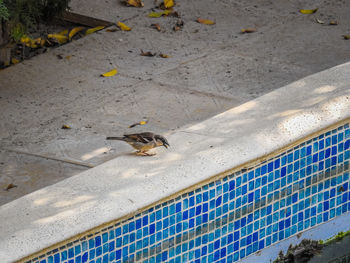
{"x": 68, "y": 57}
{"x": 147, "y": 54}
{"x": 346, "y": 37}
{"x": 248, "y": 30}
{"x": 10, "y": 186}
{"x": 156, "y": 26}
{"x": 205, "y": 21}
{"x": 65, "y": 127}
{"x": 112, "y": 29}
{"x": 333, "y": 23}
{"x": 163, "y": 55}
{"x": 135, "y": 3}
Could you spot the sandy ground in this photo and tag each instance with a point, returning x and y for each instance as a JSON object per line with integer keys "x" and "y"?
{"x": 210, "y": 69}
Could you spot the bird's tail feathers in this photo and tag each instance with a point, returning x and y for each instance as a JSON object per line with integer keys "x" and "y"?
{"x": 115, "y": 138}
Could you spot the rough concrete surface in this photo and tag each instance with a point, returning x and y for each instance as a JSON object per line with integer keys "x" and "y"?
{"x": 126, "y": 185}
{"x": 210, "y": 69}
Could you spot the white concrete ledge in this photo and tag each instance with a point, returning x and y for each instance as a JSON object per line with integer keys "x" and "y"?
{"x": 128, "y": 183}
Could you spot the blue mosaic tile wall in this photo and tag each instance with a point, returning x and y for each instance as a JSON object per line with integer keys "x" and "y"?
{"x": 233, "y": 217}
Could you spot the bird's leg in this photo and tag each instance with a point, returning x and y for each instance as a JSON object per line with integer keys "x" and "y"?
{"x": 141, "y": 153}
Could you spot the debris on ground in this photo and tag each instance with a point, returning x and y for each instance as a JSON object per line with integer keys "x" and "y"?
{"x": 248, "y": 30}
{"x": 179, "y": 24}
{"x": 123, "y": 27}
{"x": 65, "y": 127}
{"x": 147, "y": 53}
{"x": 300, "y": 253}
{"x": 110, "y": 73}
{"x": 205, "y": 21}
{"x": 156, "y": 26}
{"x": 10, "y": 186}
{"x": 308, "y": 11}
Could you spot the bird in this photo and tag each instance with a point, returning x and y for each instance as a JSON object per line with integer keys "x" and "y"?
{"x": 143, "y": 142}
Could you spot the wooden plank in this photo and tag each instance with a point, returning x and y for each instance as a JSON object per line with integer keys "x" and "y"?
{"x": 84, "y": 20}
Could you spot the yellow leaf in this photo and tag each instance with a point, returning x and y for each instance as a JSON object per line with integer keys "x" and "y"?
{"x": 168, "y": 4}
{"x": 308, "y": 11}
{"x": 25, "y": 39}
{"x": 110, "y": 73}
{"x": 159, "y": 14}
{"x": 205, "y": 21}
{"x": 123, "y": 27}
{"x": 14, "y": 60}
{"x": 143, "y": 122}
{"x": 74, "y": 31}
{"x": 64, "y": 32}
{"x": 59, "y": 38}
{"x": 135, "y": 3}
{"x": 92, "y": 30}
{"x": 163, "y": 55}
{"x": 346, "y": 37}
{"x": 65, "y": 127}
{"x": 248, "y": 30}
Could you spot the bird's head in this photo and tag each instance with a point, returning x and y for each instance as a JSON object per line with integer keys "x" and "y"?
{"x": 161, "y": 141}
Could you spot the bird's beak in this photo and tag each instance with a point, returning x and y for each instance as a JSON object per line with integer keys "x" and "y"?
{"x": 165, "y": 145}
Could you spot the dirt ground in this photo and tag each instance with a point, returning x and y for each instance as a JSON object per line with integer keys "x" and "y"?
{"x": 210, "y": 69}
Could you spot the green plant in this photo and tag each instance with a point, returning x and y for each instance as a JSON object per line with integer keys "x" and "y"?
{"x": 4, "y": 13}
{"x": 26, "y": 14}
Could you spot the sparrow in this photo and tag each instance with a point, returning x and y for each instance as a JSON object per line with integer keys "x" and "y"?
{"x": 143, "y": 142}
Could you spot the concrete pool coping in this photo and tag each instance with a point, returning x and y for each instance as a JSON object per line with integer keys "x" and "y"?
{"x": 126, "y": 185}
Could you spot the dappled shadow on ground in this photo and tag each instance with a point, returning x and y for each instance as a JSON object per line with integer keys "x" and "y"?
{"x": 128, "y": 183}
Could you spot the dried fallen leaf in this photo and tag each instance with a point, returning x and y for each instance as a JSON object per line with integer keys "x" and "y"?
{"x": 168, "y": 4}
{"x": 308, "y": 11}
{"x": 248, "y": 30}
{"x": 65, "y": 127}
{"x": 112, "y": 29}
{"x": 14, "y": 61}
{"x": 147, "y": 54}
{"x": 74, "y": 31}
{"x": 110, "y": 73}
{"x": 10, "y": 186}
{"x": 163, "y": 55}
{"x": 123, "y": 27}
{"x": 156, "y": 26}
{"x": 58, "y": 38}
{"x": 319, "y": 21}
{"x": 333, "y": 23}
{"x": 135, "y": 3}
{"x": 92, "y": 30}
{"x": 159, "y": 14}
{"x": 138, "y": 123}
{"x": 205, "y": 21}
{"x": 68, "y": 57}
{"x": 346, "y": 37}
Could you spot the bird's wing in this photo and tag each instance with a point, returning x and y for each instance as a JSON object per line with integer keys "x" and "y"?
{"x": 144, "y": 137}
